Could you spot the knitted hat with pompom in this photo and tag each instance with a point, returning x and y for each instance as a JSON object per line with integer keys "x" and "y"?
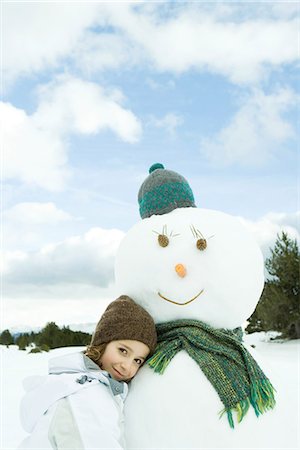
{"x": 162, "y": 191}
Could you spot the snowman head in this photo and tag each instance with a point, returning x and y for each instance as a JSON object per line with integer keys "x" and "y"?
{"x": 189, "y": 263}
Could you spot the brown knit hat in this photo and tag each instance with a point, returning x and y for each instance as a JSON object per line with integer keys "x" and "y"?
{"x": 124, "y": 319}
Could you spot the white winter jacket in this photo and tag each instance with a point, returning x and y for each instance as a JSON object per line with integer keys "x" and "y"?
{"x": 77, "y": 406}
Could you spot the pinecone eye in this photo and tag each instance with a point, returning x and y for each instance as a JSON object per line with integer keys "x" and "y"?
{"x": 201, "y": 244}
{"x": 163, "y": 240}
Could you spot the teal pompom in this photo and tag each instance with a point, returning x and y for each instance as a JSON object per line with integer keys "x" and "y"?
{"x": 156, "y": 166}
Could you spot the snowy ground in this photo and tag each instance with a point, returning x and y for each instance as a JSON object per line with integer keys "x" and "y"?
{"x": 16, "y": 365}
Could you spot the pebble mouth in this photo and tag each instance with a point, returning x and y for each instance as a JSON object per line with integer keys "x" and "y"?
{"x": 180, "y": 304}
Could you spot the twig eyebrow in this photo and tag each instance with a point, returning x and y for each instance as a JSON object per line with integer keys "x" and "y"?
{"x": 165, "y": 232}
{"x": 197, "y": 234}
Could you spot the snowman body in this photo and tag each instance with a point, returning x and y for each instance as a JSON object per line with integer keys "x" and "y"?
{"x": 176, "y": 278}
{"x": 179, "y": 410}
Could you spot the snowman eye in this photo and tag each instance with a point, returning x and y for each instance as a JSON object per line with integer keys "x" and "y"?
{"x": 201, "y": 244}
{"x": 163, "y": 240}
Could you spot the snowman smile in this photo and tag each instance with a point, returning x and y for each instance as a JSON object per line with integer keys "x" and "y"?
{"x": 180, "y": 304}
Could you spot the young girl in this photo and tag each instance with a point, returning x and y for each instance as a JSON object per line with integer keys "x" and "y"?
{"x": 79, "y": 404}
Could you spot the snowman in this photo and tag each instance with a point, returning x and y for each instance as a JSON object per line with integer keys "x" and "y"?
{"x": 200, "y": 274}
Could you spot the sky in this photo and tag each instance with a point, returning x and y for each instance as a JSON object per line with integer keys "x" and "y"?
{"x": 94, "y": 93}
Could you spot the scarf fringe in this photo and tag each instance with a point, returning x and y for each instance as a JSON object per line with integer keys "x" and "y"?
{"x": 262, "y": 396}
{"x": 261, "y": 399}
{"x": 159, "y": 361}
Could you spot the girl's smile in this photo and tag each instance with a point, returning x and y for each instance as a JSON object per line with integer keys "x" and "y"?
{"x": 122, "y": 359}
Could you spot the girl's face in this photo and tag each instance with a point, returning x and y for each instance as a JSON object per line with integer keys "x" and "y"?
{"x": 123, "y": 358}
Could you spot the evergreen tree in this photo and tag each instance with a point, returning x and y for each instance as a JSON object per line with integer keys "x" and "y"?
{"x": 55, "y": 337}
{"x": 49, "y": 335}
{"x": 279, "y": 306}
{"x": 67, "y": 338}
{"x": 6, "y": 338}
{"x": 81, "y": 338}
{"x": 23, "y": 340}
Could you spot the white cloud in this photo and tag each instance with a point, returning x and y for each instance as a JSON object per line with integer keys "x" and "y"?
{"x": 175, "y": 39}
{"x": 68, "y": 282}
{"x": 70, "y": 105}
{"x": 104, "y": 51}
{"x": 79, "y": 260}
{"x": 35, "y": 146}
{"x": 194, "y": 38}
{"x": 31, "y": 154}
{"x": 283, "y": 9}
{"x": 170, "y": 122}
{"x": 38, "y": 35}
{"x": 266, "y": 228}
{"x": 29, "y": 225}
{"x": 35, "y": 213}
{"x": 255, "y": 132}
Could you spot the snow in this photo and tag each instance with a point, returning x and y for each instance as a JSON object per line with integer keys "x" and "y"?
{"x": 284, "y": 357}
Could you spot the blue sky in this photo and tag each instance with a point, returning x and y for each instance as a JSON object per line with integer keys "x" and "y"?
{"x": 95, "y": 92}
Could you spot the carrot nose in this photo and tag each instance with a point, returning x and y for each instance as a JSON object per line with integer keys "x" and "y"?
{"x": 180, "y": 270}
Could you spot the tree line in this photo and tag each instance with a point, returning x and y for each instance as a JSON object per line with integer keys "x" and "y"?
{"x": 279, "y": 306}
{"x": 51, "y": 336}
{"x": 277, "y": 310}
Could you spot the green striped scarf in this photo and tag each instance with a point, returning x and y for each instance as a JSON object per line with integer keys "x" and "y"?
{"x": 235, "y": 375}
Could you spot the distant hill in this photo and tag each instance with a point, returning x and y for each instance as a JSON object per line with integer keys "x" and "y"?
{"x": 84, "y": 327}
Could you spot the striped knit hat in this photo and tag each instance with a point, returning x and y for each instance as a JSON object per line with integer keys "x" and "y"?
{"x": 162, "y": 191}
